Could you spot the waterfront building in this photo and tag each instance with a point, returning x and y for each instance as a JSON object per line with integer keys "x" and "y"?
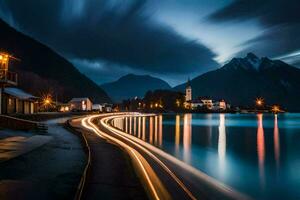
{"x": 13, "y": 100}
{"x": 196, "y": 104}
{"x": 202, "y": 102}
{"x": 219, "y": 105}
{"x": 63, "y": 107}
{"x": 81, "y": 104}
{"x": 107, "y": 107}
{"x": 208, "y": 103}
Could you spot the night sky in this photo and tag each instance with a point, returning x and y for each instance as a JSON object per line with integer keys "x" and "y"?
{"x": 170, "y": 39}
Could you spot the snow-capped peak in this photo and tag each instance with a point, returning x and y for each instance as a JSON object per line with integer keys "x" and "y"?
{"x": 253, "y": 60}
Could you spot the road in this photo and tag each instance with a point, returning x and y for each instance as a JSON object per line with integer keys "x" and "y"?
{"x": 162, "y": 175}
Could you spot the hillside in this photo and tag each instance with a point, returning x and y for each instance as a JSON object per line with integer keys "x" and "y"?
{"x": 41, "y": 70}
{"x": 244, "y": 79}
{"x": 130, "y": 86}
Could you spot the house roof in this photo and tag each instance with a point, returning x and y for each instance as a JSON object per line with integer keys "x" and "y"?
{"x": 196, "y": 101}
{"x": 20, "y": 94}
{"x": 79, "y": 99}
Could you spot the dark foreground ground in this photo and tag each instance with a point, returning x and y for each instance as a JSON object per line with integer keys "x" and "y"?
{"x": 49, "y": 171}
{"x": 35, "y": 165}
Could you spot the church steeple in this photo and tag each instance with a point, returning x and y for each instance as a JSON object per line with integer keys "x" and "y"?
{"x": 188, "y": 83}
{"x": 188, "y": 91}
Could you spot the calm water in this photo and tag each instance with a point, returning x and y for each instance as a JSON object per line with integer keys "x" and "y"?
{"x": 258, "y": 154}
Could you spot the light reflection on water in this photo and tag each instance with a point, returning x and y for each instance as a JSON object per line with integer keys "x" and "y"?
{"x": 222, "y": 145}
{"x": 256, "y": 154}
{"x": 261, "y": 149}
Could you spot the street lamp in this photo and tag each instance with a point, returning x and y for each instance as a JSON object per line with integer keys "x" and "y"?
{"x": 47, "y": 101}
{"x": 259, "y": 101}
{"x": 275, "y": 109}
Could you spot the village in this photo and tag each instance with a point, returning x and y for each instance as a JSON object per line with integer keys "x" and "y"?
{"x": 15, "y": 101}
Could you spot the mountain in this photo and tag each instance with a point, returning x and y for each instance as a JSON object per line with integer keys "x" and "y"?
{"x": 41, "y": 70}
{"x": 242, "y": 80}
{"x": 130, "y": 86}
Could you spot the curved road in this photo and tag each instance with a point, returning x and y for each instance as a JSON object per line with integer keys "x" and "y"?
{"x": 163, "y": 176}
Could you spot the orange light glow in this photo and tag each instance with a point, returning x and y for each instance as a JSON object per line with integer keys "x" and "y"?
{"x": 275, "y": 109}
{"x": 47, "y": 101}
{"x": 177, "y": 103}
{"x": 261, "y": 149}
{"x": 259, "y": 101}
{"x": 276, "y": 142}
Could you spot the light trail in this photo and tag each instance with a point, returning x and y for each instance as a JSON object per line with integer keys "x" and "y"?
{"x": 148, "y": 149}
{"x": 120, "y": 134}
{"x": 157, "y": 190}
{"x": 144, "y": 146}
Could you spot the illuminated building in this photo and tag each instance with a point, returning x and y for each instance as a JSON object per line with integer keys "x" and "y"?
{"x": 13, "y": 100}
{"x": 188, "y": 95}
{"x": 188, "y": 91}
{"x": 80, "y": 104}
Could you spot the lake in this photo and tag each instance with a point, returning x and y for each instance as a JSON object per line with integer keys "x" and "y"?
{"x": 257, "y": 154}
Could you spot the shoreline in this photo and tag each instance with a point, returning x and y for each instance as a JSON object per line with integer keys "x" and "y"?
{"x": 213, "y": 188}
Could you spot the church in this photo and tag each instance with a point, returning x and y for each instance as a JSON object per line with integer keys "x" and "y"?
{"x": 188, "y": 95}
{"x": 202, "y": 102}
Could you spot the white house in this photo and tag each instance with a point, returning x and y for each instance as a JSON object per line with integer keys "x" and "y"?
{"x": 81, "y": 104}
{"x": 202, "y": 102}
{"x": 220, "y": 105}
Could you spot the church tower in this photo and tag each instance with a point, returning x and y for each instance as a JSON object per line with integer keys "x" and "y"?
{"x": 188, "y": 91}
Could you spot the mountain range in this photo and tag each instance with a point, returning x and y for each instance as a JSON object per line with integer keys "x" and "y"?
{"x": 41, "y": 70}
{"x": 242, "y": 80}
{"x": 131, "y": 85}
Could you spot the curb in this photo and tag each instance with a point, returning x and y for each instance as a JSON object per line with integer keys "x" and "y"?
{"x": 81, "y": 185}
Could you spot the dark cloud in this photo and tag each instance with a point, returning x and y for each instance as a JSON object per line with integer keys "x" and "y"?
{"x": 269, "y": 12}
{"x": 280, "y": 20}
{"x": 275, "y": 41}
{"x": 114, "y": 31}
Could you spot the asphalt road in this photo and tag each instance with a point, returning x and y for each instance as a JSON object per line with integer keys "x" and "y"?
{"x": 163, "y": 176}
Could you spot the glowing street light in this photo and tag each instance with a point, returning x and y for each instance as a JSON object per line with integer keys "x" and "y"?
{"x": 259, "y": 101}
{"x": 47, "y": 101}
{"x": 275, "y": 109}
{"x": 178, "y": 103}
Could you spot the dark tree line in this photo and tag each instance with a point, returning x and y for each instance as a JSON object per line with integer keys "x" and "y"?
{"x": 158, "y": 100}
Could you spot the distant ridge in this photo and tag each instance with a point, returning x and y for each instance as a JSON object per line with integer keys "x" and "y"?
{"x": 243, "y": 79}
{"x": 131, "y": 85}
{"x": 42, "y": 70}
